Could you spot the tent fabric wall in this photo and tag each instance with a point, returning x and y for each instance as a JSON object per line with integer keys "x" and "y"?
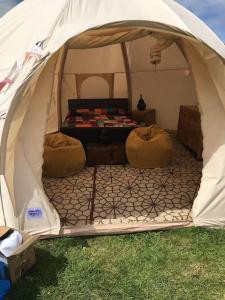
{"x": 55, "y": 109}
{"x": 69, "y": 91}
{"x": 12, "y": 129}
{"x": 7, "y": 216}
{"x": 173, "y": 74}
{"x": 25, "y": 153}
{"x": 27, "y": 101}
{"x": 178, "y": 89}
{"x": 208, "y": 209}
{"x": 95, "y": 61}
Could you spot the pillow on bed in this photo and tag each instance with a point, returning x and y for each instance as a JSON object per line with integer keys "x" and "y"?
{"x": 100, "y": 111}
{"x": 90, "y": 111}
{"x": 116, "y": 111}
{"x": 109, "y": 111}
{"x": 84, "y": 111}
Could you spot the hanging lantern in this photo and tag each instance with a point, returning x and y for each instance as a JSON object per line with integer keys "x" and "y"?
{"x": 155, "y": 55}
{"x": 162, "y": 42}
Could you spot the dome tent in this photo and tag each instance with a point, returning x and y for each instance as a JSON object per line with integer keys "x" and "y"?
{"x": 37, "y": 38}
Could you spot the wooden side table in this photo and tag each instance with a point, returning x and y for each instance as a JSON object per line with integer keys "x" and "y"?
{"x": 147, "y": 116}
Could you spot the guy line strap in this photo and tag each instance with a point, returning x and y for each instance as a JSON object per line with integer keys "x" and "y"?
{"x": 3, "y": 116}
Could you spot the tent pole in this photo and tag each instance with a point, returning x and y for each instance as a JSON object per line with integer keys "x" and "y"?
{"x": 128, "y": 74}
{"x": 59, "y": 88}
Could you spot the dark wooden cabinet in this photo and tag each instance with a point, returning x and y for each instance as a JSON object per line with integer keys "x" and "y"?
{"x": 106, "y": 154}
{"x": 146, "y": 117}
{"x": 189, "y": 129}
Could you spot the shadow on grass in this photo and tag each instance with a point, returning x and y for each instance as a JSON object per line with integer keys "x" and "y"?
{"x": 43, "y": 274}
{"x": 50, "y": 264}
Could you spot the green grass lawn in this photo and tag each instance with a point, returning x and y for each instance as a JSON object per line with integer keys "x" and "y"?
{"x": 179, "y": 264}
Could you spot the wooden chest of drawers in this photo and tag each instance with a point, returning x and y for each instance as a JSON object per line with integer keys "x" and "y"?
{"x": 189, "y": 129}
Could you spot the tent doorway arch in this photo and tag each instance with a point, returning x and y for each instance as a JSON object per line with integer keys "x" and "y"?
{"x": 117, "y": 224}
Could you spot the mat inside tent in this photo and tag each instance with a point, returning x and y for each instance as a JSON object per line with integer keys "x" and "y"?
{"x": 120, "y": 195}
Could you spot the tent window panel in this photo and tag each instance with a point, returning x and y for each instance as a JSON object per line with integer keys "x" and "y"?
{"x": 95, "y": 87}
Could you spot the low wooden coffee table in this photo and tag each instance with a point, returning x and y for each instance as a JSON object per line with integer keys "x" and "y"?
{"x": 106, "y": 154}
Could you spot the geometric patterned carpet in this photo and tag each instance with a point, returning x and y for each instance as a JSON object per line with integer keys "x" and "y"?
{"x": 106, "y": 195}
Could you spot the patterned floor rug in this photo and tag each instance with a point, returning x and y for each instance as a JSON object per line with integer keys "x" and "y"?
{"x": 107, "y": 195}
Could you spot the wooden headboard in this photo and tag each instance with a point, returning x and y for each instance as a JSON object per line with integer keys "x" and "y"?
{"x": 74, "y": 104}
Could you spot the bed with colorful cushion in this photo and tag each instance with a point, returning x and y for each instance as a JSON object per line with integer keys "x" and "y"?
{"x": 98, "y": 120}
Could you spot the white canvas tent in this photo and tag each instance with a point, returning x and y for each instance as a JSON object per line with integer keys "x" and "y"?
{"x": 37, "y": 81}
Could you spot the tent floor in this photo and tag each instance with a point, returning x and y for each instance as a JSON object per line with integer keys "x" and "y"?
{"x": 118, "y": 198}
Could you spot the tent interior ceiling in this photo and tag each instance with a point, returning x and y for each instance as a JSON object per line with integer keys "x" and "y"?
{"x": 105, "y": 37}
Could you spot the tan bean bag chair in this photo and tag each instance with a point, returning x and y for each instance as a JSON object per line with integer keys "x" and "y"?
{"x": 149, "y": 147}
{"x": 63, "y": 156}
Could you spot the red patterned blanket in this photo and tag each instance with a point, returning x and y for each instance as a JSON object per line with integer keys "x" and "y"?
{"x": 88, "y": 121}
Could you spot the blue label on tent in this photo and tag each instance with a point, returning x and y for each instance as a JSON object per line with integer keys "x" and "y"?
{"x": 34, "y": 213}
